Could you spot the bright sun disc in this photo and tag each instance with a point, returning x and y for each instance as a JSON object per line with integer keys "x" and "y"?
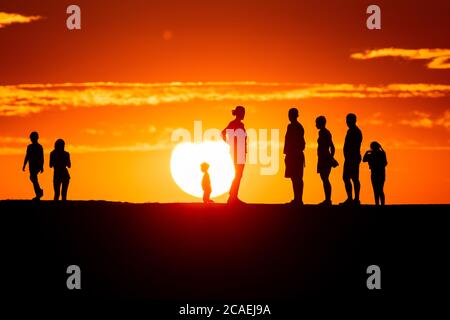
{"x": 185, "y": 167}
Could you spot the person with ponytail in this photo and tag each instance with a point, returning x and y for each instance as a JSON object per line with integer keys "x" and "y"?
{"x": 235, "y": 135}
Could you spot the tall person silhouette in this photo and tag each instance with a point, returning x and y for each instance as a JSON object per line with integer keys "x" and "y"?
{"x": 60, "y": 161}
{"x": 325, "y": 155}
{"x": 35, "y": 160}
{"x": 352, "y": 156}
{"x": 235, "y": 135}
{"x": 376, "y": 157}
{"x": 294, "y": 145}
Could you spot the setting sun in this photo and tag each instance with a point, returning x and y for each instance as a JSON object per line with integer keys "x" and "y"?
{"x": 185, "y": 167}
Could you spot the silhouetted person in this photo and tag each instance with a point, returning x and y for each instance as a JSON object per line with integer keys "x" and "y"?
{"x": 206, "y": 183}
{"x": 294, "y": 145}
{"x": 376, "y": 157}
{"x": 35, "y": 160}
{"x": 236, "y": 136}
{"x": 60, "y": 161}
{"x": 352, "y": 155}
{"x": 325, "y": 154}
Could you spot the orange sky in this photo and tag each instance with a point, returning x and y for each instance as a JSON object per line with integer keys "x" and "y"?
{"x": 137, "y": 70}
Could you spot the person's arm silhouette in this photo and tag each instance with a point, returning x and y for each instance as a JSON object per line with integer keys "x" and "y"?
{"x": 52, "y": 160}
{"x": 384, "y": 157}
{"x": 302, "y": 138}
{"x": 285, "y": 141}
{"x": 69, "y": 164}
{"x": 25, "y": 161}
{"x": 41, "y": 159}
{"x": 367, "y": 156}
{"x": 224, "y": 132}
{"x": 332, "y": 148}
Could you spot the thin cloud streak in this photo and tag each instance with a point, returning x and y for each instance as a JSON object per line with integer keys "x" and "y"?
{"x": 424, "y": 120}
{"x": 83, "y": 149}
{"x": 438, "y": 58}
{"x": 7, "y": 19}
{"x": 25, "y": 99}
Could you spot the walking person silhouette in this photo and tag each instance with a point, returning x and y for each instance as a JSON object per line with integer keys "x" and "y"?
{"x": 35, "y": 160}
{"x": 325, "y": 155}
{"x": 376, "y": 157}
{"x": 294, "y": 145}
{"x": 235, "y": 135}
{"x": 60, "y": 161}
{"x": 352, "y": 156}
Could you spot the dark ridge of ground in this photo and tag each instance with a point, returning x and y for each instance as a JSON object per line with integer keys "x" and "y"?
{"x": 187, "y": 252}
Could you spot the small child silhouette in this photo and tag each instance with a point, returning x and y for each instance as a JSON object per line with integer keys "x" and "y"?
{"x": 376, "y": 157}
{"x": 206, "y": 183}
{"x": 35, "y": 160}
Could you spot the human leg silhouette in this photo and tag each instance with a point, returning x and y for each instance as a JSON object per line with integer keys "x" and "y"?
{"x": 297, "y": 186}
{"x": 325, "y": 176}
{"x": 357, "y": 187}
{"x": 376, "y": 194}
{"x": 378, "y": 184}
{"x": 382, "y": 198}
{"x": 37, "y": 188}
{"x": 57, "y": 189}
{"x": 356, "y": 183}
{"x": 234, "y": 190}
{"x": 347, "y": 174}
{"x": 207, "y": 196}
{"x": 351, "y": 175}
{"x": 64, "y": 187}
{"x": 348, "y": 188}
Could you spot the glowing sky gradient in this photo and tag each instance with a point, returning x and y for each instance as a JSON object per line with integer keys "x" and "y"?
{"x": 116, "y": 89}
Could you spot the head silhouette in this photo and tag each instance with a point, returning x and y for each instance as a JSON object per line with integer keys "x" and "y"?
{"x": 375, "y": 146}
{"x": 321, "y": 122}
{"x": 34, "y": 137}
{"x": 238, "y": 112}
{"x": 204, "y": 167}
{"x": 351, "y": 120}
{"x": 293, "y": 114}
{"x": 59, "y": 145}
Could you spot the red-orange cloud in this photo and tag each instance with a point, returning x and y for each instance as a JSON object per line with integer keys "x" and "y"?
{"x": 438, "y": 58}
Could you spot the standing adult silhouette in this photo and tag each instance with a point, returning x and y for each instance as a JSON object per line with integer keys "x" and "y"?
{"x": 294, "y": 145}
{"x": 352, "y": 156}
{"x": 325, "y": 155}
{"x": 60, "y": 161}
{"x": 376, "y": 157}
{"x": 35, "y": 160}
{"x": 235, "y": 135}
